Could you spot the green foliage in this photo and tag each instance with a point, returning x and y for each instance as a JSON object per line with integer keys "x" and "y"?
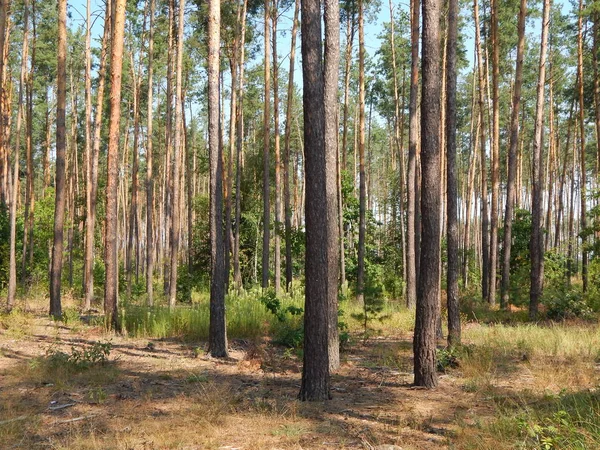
{"x": 448, "y": 358}
{"x": 79, "y": 360}
{"x": 567, "y": 303}
{"x": 289, "y": 331}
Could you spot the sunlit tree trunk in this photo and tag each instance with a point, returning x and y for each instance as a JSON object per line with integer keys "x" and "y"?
{"x": 61, "y": 147}
{"x": 412, "y": 178}
{"x": 582, "y": 180}
{"x": 149, "y": 168}
{"x": 362, "y": 196}
{"x": 12, "y": 273}
{"x": 111, "y": 253}
{"x": 217, "y": 339}
{"x": 331, "y": 69}
{"x": 485, "y": 265}
{"x": 266, "y": 150}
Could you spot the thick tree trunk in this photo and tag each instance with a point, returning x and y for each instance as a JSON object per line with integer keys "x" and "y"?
{"x": 536, "y": 243}
{"x": 61, "y": 147}
{"x": 512, "y": 157}
{"x": 428, "y": 306}
{"x": 315, "y": 370}
{"x": 111, "y": 253}
{"x": 217, "y": 340}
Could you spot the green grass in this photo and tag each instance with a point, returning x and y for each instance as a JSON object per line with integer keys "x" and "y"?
{"x": 569, "y": 420}
{"x": 247, "y": 318}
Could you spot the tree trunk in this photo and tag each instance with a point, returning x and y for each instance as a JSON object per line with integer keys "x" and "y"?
{"x": 286, "y": 157}
{"x": 536, "y": 243}
{"x": 495, "y": 154}
{"x": 111, "y": 253}
{"x": 278, "y": 212}
{"x": 266, "y": 149}
{"x": 12, "y": 278}
{"x": 512, "y": 157}
{"x": 451, "y": 179}
{"x": 61, "y": 147}
{"x": 217, "y": 332}
{"x": 177, "y": 151}
{"x": 428, "y": 306}
{"x": 149, "y": 168}
{"x": 485, "y": 266}
{"x": 237, "y": 273}
{"x": 331, "y": 70}
{"x": 582, "y": 180}
{"x": 362, "y": 226}
{"x": 315, "y": 370}
{"x": 412, "y": 179}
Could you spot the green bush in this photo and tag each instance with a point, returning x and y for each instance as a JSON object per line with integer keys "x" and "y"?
{"x": 567, "y": 304}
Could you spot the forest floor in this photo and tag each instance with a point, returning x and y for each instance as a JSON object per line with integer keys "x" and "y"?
{"x": 168, "y": 394}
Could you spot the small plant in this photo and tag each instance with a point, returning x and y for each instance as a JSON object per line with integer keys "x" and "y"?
{"x": 80, "y": 360}
{"x": 447, "y": 358}
{"x": 197, "y": 378}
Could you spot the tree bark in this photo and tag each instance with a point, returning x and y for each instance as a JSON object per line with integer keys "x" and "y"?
{"x": 362, "y": 196}
{"x": 495, "y": 154}
{"x": 286, "y": 158}
{"x": 315, "y": 370}
{"x": 412, "y": 179}
{"x": 428, "y": 307}
{"x": 61, "y": 147}
{"x": 451, "y": 179}
{"x": 12, "y": 277}
{"x": 149, "y": 168}
{"x": 536, "y": 244}
{"x": 217, "y": 331}
{"x": 512, "y": 157}
{"x": 111, "y": 253}
{"x": 278, "y": 212}
{"x": 485, "y": 266}
{"x": 266, "y": 150}
{"x": 177, "y": 151}
{"x": 331, "y": 70}
{"x": 582, "y": 180}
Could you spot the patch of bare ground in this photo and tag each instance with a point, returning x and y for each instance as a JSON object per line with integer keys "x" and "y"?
{"x": 167, "y": 394}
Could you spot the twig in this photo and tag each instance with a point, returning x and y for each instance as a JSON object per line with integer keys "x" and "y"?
{"x": 76, "y": 419}
{"x": 16, "y": 419}
{"x": 57, "y": 407}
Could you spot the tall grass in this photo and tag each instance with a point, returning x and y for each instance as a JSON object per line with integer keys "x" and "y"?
{"x": 247, "y": 318}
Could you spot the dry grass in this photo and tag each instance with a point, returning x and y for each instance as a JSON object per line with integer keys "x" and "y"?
{"x": 509, "y": 389}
